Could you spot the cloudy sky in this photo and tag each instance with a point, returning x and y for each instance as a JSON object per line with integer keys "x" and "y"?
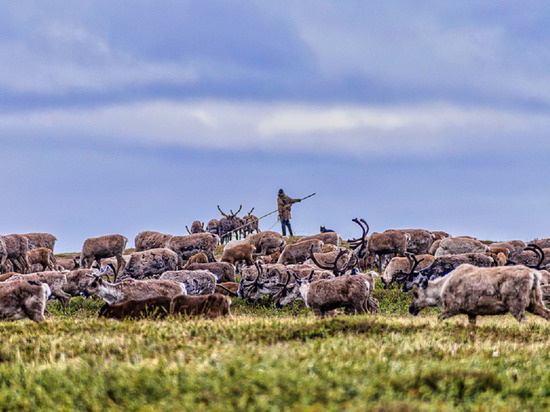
{"x": 123, "y": 116}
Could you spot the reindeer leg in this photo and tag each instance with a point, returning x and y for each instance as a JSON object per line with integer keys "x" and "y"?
{"x": 121, "y": 264}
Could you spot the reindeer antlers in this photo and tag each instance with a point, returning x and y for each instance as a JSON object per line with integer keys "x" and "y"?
{"x": 223, "y": 214}
{"x": 334, "y": 265}
{"x": 235, "y": 214}
{"x": 538, "y": 251}
{"x": 231, "y": 211}
{"x": 354, "y": 243}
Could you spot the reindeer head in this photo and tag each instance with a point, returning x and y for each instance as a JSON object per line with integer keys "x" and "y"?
{"x": 335, "y": 267}
{"x": 93, "y": 287}
{"x": 412, "y": 279}
{"x": 539, "y": 252}
{"x": 359, "y": 246}
{"x": 288, "y": 293}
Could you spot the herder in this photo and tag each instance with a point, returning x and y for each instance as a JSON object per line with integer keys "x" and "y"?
{"x": 284, "y": 203}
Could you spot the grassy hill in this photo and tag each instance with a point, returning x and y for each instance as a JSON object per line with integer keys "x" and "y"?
{"x": 267, "y": 359}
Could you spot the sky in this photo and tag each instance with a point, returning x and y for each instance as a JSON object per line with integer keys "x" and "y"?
{"x": 124, "y": 116}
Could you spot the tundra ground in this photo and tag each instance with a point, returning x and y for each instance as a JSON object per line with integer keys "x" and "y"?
{"x": 267, "y": 359}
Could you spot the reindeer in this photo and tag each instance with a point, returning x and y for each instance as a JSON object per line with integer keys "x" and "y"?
{"x": 196, "y": 258}
{"x": 17, "y": 247}
{"x": 243, "y": 252}
{"x": 543, "y": 243}
{"x": 23, "y": 299}
{"x": 131, "y": 289}
{"x": 103, "y": 247}
{"x": 37, "y": 240}
{"x": 459, "y": 245}
{"x": 350, "y": 259}
{"x": 68, "y": 263}
{"x": 56, "y": 281}
{"x": 400, "y": 268}
{"x": 477, "y": 291}
{"x": 325, "y": 295}
{"x": 421, "y": 241}
{"x": 212, "y": 226}
{"x": 227, "y": 224}
{"x": 332, "y": 238}
{"x": 261, "y": 280}
{"x": 388, "y": 242}
{"x": 299, "y": 252}
{"x": 441, "y": 266}
{"x": 157, "y": 307}
{"x": 532, "y": 256}
{"x": 150, "y": 263}
{"x": 44, "y": 257}
{"x": 251, "y": 224}
{"x": 500, "y": 254}
{"x": 197, "y": 282}
{"x": 189, "y": 245}
{"x": 196, "y": 227}
{"x": 212, "y": 306}
{"x": 439, "y": 234}
{"x": 266, "y": 242}
{"x": 224, "y": 272}
{"x": 151, "y": 240}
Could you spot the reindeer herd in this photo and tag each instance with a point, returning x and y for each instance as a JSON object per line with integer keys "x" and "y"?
{"x": 229, "y": 225}
{"x": 180, "y": 275}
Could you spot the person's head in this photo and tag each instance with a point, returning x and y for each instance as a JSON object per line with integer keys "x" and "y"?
{"x": 281, "y": 192}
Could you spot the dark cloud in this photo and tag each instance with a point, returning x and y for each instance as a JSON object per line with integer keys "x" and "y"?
{"x": 118, "y": 117}
{"x": 93, "y": 53}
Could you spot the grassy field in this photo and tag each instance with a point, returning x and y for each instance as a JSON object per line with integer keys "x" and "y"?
{"x": 264, "y": 359}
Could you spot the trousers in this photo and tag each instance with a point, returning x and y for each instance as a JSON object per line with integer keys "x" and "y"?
{"x": 286, "y": 224}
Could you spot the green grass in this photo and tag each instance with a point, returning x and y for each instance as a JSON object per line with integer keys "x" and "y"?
{"x": 267, "y": 359}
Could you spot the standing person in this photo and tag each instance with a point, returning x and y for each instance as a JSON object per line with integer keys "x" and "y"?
{"x": 284, "y": 203}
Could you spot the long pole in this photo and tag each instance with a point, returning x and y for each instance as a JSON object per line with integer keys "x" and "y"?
{"x": 270, "y": 213}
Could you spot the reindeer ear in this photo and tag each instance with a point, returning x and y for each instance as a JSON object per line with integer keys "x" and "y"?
{"x": 425, "y": 283}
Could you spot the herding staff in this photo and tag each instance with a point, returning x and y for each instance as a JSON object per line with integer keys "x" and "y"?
{"x": 270, "y": 213}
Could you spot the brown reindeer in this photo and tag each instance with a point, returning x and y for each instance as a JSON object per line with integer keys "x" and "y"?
{"x": 189, "y": 245}
{"x": 157, "y": 307}
{"x": 196, "y": 258}
{"x": 299, "y": 252}
{"x": 44, "y": 257}
{"x": 239, "y": 253}
{"x": 211, "y": 306}
{"x": 17, "y": 247}
{"x": 151, "y": 240}
{"x": 37, "y": 240}
{"x": 266, "y": 242}
{"x": 227, "y": 225}
{"x": 95, "y": 249}
{"x": 196, "y": 227}
{"x": 224, "y": 272}
{"x": 251, "y": 224}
